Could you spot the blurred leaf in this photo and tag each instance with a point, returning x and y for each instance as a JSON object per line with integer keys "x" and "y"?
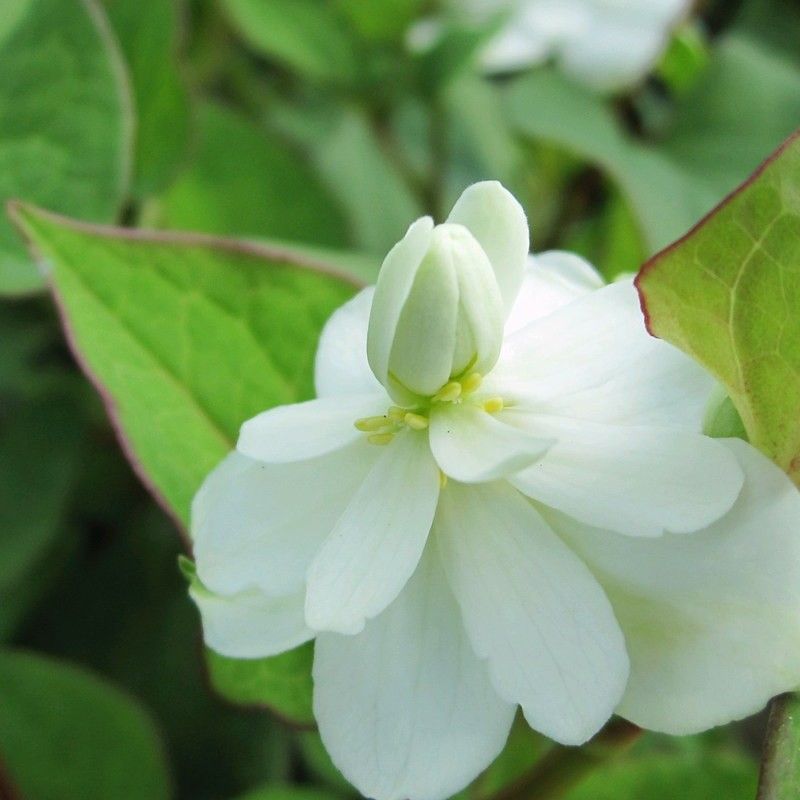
{"x": 281, "y": 683}
{"x": 186, "y": 339}
{"x": 147, "y": 31}
{"x": 665, "y": 199}
{"x": 306, "y": 35}
{"x": 745, "y": 105}
{"x": 722, "y": 419}
{"x": 65, "y": 120}
{"x": 278, "y": 792}
{"x": 318, "y": 762}
{"x": 666, "y": 777}
{"x": 381, "y": 20}
{"x": 774, "y": 23}
{"x": 728, "y": 296}
{"x": 147, "y": 317}
{"x": 39, "y": 452}
{"x": 64, "y": 734}
{"x": 686, "y": 56}
{"x": 371, "y": 188}
{"x": 243, "y": 181}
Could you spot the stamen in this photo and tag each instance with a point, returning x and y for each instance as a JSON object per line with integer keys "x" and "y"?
{"x": 442, "y": 480}
{"x": 396, "y": 413}
{"x": 448, "y": 393}
{"x": 471, "y": 382}
{"x": 493, "y": 404}
{"x": 380, "y": 438}
{"x": 415, "y": 421}
{"x": 368, "y": 424}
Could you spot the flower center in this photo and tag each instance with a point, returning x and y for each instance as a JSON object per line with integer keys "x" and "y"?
{"x": 383, "y": 428}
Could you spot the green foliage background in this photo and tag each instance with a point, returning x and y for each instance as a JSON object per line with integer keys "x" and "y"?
{"x": 307, "y": 132}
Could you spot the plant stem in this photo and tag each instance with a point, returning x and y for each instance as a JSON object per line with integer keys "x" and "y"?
{"x": 780, "y": 761}
{"x": 562, "y": 768}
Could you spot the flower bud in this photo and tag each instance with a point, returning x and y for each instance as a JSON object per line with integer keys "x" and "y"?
{"x": 437, "y": 314}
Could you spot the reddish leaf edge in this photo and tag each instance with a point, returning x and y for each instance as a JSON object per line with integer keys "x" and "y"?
{"x": 654, "y": 261}
{"x": 17, "y": 210}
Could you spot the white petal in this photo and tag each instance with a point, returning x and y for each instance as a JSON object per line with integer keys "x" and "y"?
{"x": 663, "y": 387}
{"x": 712, "y": 620}
{"x": 495, "y": 218}
{"x": 533, "y": 610}
{"x": 405, "y": 708}
{"x": 259, "y": 525}
{"x": 581, "y": 345}
{"x": 341, "y": 365}
{"x": 473, "y": 446}
{"x": 551, "y": 280}
{"x": 513, "y": 49}
{"x": 395, "y": 280}
{"x": 378, "y": 540}
{"x": 636, "y": 480}
{"x": 250, "y": 624}
{"x": 301, "y": 431}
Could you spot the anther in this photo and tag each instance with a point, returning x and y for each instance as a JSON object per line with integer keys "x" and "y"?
{"x": 396, "y": 413}
{"x": 471, "y": 382}
{"x": 493, "y": 404}
{"x": 415, "y": 421}
{"x": 380, "y": 438}
{"x": 448, "y": 393}
{"x": 442, "y": 480}
{"x": 367, "y": 424}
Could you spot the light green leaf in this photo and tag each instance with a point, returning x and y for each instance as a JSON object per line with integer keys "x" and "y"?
{"x": 186, "y": 338}
{"x": 147, "y": 31}
{"x": 667, "y": 777}
{"x": 306, "y": 35}
{"x": 281, "y": 683}
{"x": 243, "y": 181}
{"x": 728, "y": 295}
{"x": 65, "y": 120}
{"x": 370, "y": 187}
{"x": 65, "y": 734}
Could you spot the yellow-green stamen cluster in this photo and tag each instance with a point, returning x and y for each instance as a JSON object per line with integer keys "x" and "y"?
{"x": 382, "y": 429}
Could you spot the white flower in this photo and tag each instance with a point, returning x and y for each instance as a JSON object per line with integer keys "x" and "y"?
{"x": 607, "y": 44}
{"x": 555, "y": 534}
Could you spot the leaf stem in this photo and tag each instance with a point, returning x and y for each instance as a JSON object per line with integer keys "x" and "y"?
{"x": 561, "y": 768}
{"x": 780, "y": 760}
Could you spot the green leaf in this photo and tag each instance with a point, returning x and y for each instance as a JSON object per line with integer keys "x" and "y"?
{"x": 305, "y": 35}
{"x": 147, "y": 31}
{"x": 666, "y": 777}
{"x": 65, "y": 120}
{"x": 351, "y": 158}
{"x": 281, "y": 683}
{"x": 665, "y": 198}
{"x": 39, "y": 452}
{"x": 728, "y": 294}
{"x": 243, "y": 181}
{"x": 186, "y": 338}
{"x": 65, "y": 734}
{"x": 287, "y": 792}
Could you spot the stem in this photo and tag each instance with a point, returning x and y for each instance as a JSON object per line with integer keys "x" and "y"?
{"x": 562, "y": 768}
{"x": 780, "y": 761}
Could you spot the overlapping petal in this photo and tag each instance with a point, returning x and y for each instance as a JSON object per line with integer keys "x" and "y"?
{"x": 638, "y": 480}
{"x": 474, "y": 446}
{"x": 258, "y": 525}
{"x": 405, "y": 708}
{"x": 710, "y": 619}
{"x": 533, "y": 610}
{"x": 302, "y": 431}
{"x": 377, "y": 541}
